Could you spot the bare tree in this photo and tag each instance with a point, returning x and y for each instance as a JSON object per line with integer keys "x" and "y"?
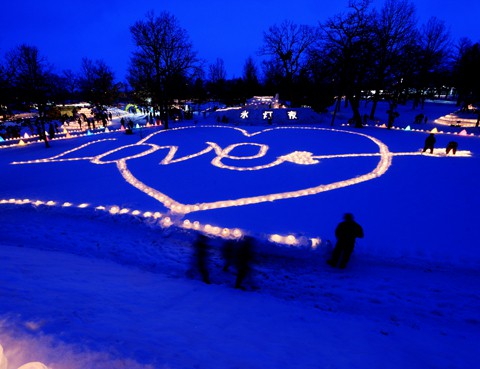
{"x": 163, "y": 55}
{"x": 250, "y": 70}
{"x": 250, "y": 77}
{"x": 287, "y": 45}
{"x": 217, "y": 71}
{"x": 433, "y": 55}
{"x": 97, "y": 82}
{"x": 217, "y": 75}
{"x": 467, "y": 73}
{"x": 395, "y": 36}
{"x": 30, "y": 75}
{"x": 346, "y": 49}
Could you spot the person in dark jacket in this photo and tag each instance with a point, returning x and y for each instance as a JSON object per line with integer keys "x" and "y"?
{"x": 243, "y": 259}
{"x": 452, "y": 146}
{"x": 346, "y": 233}
{"x": 429, "y": 143}
{"x": 200, "y": 246}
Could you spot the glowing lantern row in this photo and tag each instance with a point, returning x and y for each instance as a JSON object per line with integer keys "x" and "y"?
{"x": 232, "y": 233}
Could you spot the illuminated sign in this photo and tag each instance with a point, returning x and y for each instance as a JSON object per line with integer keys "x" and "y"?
{"x": 268, "y": 114}
{"x": 292, "y": 115}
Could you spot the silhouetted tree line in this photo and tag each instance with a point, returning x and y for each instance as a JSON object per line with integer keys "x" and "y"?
{"x": 363, "y": 53}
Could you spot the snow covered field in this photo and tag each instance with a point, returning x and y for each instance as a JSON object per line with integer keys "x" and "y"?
{"x": 96, "y": 274}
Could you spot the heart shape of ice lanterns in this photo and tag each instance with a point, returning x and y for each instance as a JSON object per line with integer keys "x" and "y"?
{"x": 123, "y": 155}
{"x": 297, "y": 157}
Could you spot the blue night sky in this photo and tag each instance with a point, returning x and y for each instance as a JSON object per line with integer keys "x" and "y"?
{"x": 67, "y": 31}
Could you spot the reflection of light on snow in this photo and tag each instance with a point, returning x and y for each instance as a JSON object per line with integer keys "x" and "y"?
{"x": 31, "y": 365}
{"x": 3, "y": 359}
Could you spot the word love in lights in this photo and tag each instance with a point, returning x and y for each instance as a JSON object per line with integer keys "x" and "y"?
{"x": 221, "y": 155}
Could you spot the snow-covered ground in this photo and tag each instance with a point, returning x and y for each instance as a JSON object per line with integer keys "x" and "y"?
{"x": 97, "y": 267}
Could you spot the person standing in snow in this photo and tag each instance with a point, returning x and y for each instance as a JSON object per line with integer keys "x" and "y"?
{"x": 200, "y": 246}
{"x": 346, "y": 232}
{"x": 429, "y": 143}
{"x": 51, "y": 131}
{"x": 228, "y": 253}
{"x": 452, "y": 146}
{"x": 243, "y": 259}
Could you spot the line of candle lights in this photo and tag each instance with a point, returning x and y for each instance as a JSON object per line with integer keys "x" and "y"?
{"x": 165, "y": 221}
